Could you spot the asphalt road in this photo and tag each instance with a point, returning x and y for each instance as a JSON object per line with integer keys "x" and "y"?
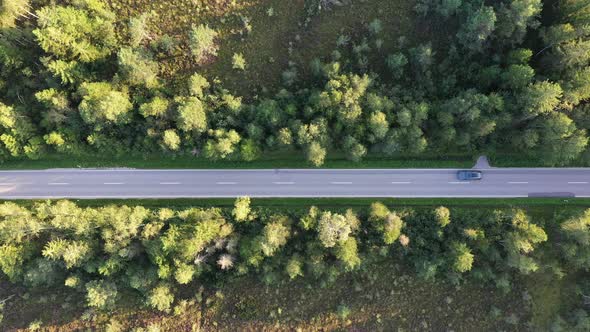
{"x": 130, "y": 183}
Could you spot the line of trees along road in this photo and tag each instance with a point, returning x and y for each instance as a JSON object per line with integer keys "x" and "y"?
{"x": 75, "y": 80}
{"x": 114, "y": 252}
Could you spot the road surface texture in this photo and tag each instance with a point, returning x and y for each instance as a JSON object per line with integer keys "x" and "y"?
{"x": 131, "y": 183}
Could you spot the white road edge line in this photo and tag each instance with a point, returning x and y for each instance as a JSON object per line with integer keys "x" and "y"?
{"x": 517, "y": 182}
{"x": 169, "y": 182}
{"x": 58, "y": 183}
{"x": 459, "y": 182}
{"x": 284, "y": 182}
{"x": 401, "y": 182}
{"x": 222, "y": 183}
{"x": 340, "y": 182}
{"x": 7, "y": 184}
{"x": 579, "y": 182}
{"x": 113, "y": 183}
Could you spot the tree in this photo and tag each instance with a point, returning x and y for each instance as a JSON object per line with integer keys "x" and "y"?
{"x": 517, "y": 77}
{"x": 57, "y": 106}
{"x": 378, "y": 125}
{"x": 575, "y": 244}
{"x": 102, "y": 104}
{"x": 160, "y": 298}
{"x": 202, "y": 42}
{"x": 347, "y": 252}
{"x": 78, "y": 34}
{"x": 171, "y": 139}
{"x": 294, "y": 267}
{"x": 238, "y": 61}
{"x": 356, "y": 151}
{"x": 442, "y": 216}
{"x": 559, "y": 140}
{"x": 396, "y": 63}
{"x": 10, "y": 11}
{"x": 101, "y": 294}
{"x": 275, "y": 234}
{"x": 477, "y": 30}
{"x": 515, "y": 17}
{"x": 316, "y": 154}
{"x": 241, "y": 211}
{"x": 521, "y": 241}
{"x": 138, "y": 29}
{"x": 310, "y": 220}
{"x": 138, "y": 68}
{"x": 387, "y": 223}
{"x": 539, "y": 98}
{"x": 157, "y": 107}
{"x": 197, "y": 85}
{"x": 191, "y": 116}
{"x": 249, "y": 150}
{"x": 222, "y": 144}
{"x": 462, "y": 257}
{"x": 333, "y": 229}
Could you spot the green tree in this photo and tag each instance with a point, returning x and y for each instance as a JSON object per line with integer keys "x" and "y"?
{"x": 197, "y": 85}
{"x": 238, "y": 61}
{"x": 249, "y": 150}
{"x": 10, "y": 11}
{"x": 316, "y": 154}
{"x": 347, "y": 252}
{"x": 539, "y": 98}
{"x": 138, "y": 29}
{"x": 157, "y": 107}
{"x": 102, "y": 104}
{"x": 333, "y": 229}
{"x": 517, "y": 77}
{"x": 559, "y": 142}
{"x": 83, "y": 34}
{"x": 515, "y": 17}
{"x": 242, "y": 210}
{"x": 222, "y": 144}
{"x": 294, "y": 267}
{"x": 442, "y": 216}
{"x": 191, "y": 115}
{"x": 520, "y": 242}
{"x": 160, "y": 298}
{"x": 171, "y": 139}
{"x": 479, "y": 27}
{"x": 138, "y": 68}
{"x": 202, "y": 42}
{"x": 575, "y": 244}
{"x": 101, "y": 294}
{"x": 378, "y": 125}
{"x": 275, "y": 234}
{"x": 462, "y": 257}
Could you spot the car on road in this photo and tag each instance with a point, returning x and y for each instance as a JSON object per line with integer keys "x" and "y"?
{"x": 469, "y": 175}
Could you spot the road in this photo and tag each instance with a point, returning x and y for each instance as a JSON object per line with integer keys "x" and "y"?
{"x": 131, "y": 183}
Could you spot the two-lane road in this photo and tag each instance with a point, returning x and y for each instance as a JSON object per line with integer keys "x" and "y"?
{"x": 132, "y": 183}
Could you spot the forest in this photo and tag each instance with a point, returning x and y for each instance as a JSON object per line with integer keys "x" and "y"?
{"x": 115, "y": 254}
{"x": 502, "y": 76}
{"x": 242, "y": 81}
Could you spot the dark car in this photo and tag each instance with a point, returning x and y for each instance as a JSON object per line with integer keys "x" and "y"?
{"x": 469, "y": 175}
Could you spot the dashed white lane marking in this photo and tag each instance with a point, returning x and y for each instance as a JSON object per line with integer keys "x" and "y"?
{"x": 169, "y": 183}
{"x": 7, "y": 184}
{"x": 518, "y": 182}
{"x": 578, "y": 182}
{"x": 401, "y": 182}
{"x": 58, "y": 183}
{"x": 459, "y": 182}
{"x": 341, "y": 182}
{"x": 222, "y": 183}
{"x": 284, "y": 182}
{"x": 113, "y": 183}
